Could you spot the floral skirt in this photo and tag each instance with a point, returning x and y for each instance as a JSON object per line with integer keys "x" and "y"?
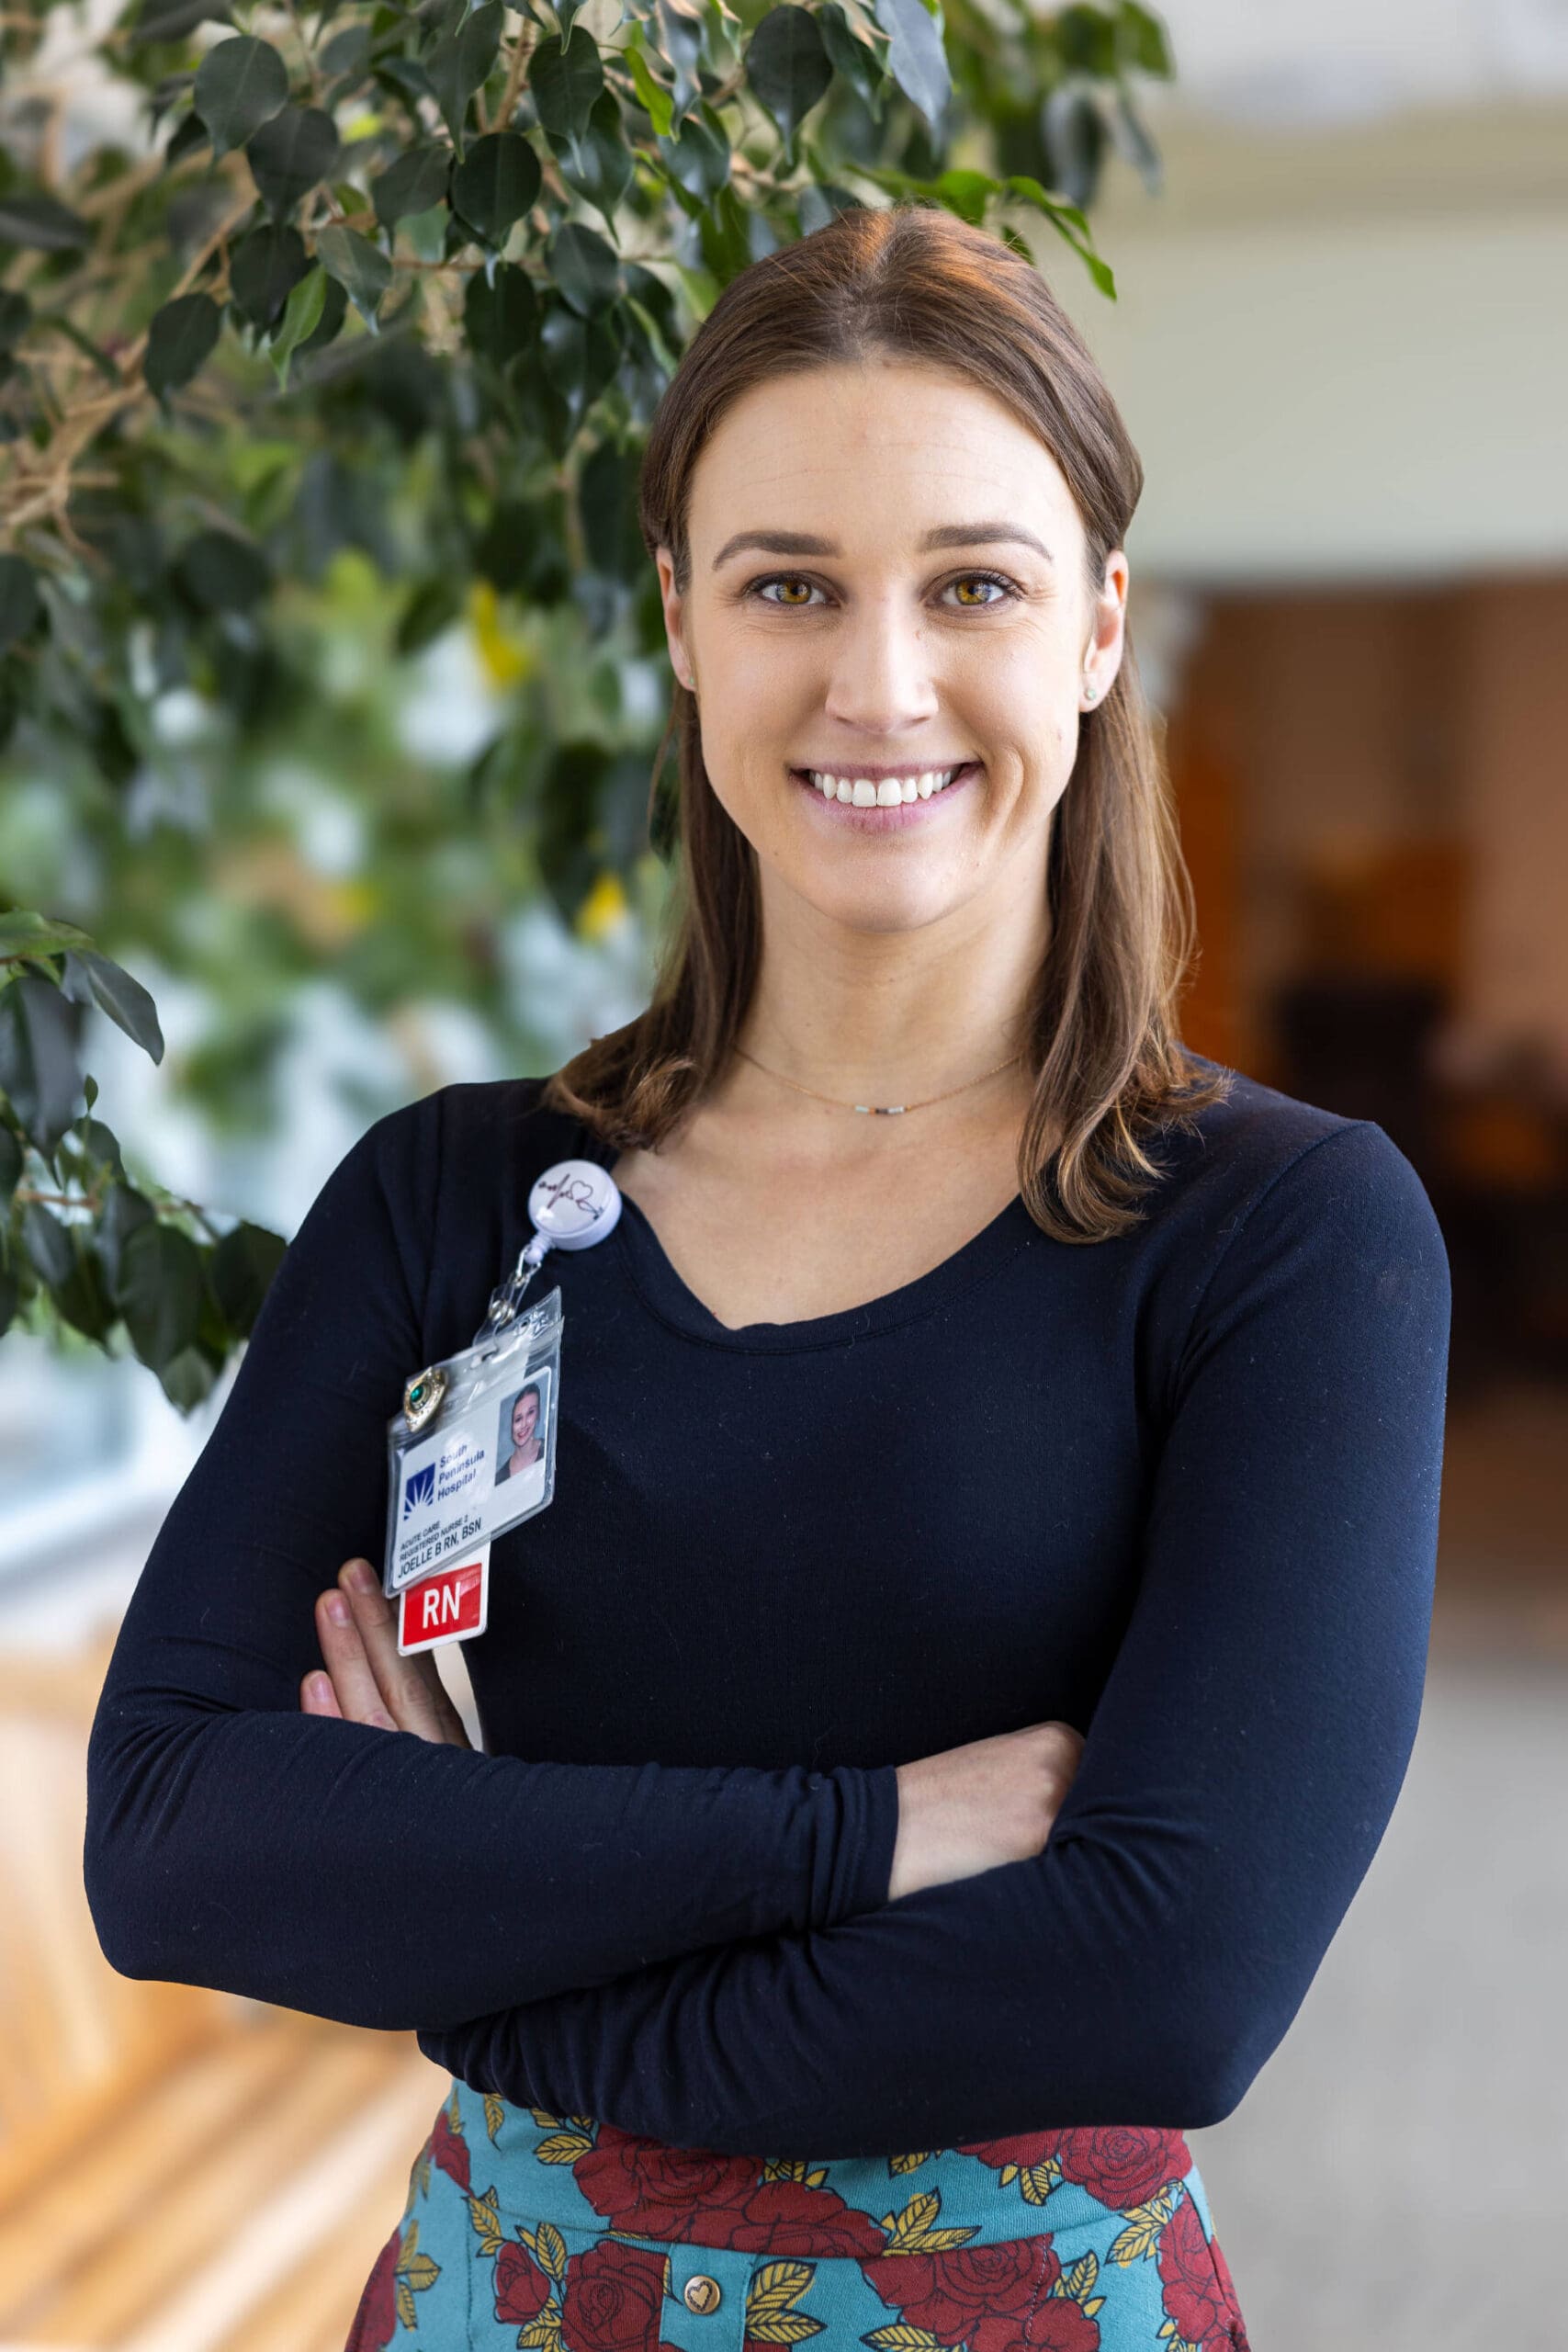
{"x": 527, "y": 2229}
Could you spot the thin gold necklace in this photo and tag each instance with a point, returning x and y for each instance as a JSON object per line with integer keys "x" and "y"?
{"x": 880, "y": 1109}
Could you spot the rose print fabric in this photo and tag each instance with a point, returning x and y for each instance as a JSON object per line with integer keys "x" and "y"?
{"x": 526, "y": 2229}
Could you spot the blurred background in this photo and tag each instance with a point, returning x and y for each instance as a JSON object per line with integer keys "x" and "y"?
{"x": 1341, "y": 345}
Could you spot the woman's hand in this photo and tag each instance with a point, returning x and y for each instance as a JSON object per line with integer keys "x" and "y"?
{"x": 367, "y": 1682}
{"x": 970, "y": 1808}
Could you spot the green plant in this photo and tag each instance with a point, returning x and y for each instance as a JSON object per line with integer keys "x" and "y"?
{"x": 401, "y": 286}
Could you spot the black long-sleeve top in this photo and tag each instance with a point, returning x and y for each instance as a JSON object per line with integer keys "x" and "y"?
{"x": 1178, "y": 1489}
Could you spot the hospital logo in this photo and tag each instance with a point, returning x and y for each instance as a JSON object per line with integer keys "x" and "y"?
{"x": 420, "y": 1490}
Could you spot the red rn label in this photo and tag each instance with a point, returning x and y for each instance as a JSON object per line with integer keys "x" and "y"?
{"x": 449, "y": 1606}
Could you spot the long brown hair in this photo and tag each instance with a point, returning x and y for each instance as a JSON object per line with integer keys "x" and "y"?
{"x": 913, "y": 282}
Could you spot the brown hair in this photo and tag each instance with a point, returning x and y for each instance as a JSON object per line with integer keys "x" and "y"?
{"x": 914, "y": 282}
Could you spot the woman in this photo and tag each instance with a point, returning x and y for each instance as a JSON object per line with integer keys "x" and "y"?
{"x": 526, "y": 1450}
{"x": 916, "y": 1856}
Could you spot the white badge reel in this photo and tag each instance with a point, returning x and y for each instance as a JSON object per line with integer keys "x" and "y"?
{"x": 472, "y": 1451}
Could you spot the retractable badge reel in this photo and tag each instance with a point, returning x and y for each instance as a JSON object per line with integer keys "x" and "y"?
{"x": 472, "y": 1451}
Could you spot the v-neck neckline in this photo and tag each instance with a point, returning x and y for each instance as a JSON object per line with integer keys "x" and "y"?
{"x": 665, "y": 1291}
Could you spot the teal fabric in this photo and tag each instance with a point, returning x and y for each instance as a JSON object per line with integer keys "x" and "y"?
{"x": 526, "y": 2229}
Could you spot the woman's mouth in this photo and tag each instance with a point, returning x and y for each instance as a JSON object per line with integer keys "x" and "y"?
{"x": 864, "y": 816}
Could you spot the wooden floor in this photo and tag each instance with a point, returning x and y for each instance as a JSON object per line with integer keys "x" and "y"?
{"x": 180, "y": 2170}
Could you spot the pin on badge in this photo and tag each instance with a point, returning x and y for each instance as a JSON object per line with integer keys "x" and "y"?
{"x": 450, "y": 1606}
{"x": 422, "y": 1396}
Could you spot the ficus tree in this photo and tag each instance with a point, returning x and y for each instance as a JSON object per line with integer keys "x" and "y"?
{"x": 406, "y": 281}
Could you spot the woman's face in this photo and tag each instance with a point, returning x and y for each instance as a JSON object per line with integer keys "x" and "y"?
{"x": 860, "y": 637}
{"x": 525, "y": 1418}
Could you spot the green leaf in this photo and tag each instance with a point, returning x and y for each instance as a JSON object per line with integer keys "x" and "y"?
{"x": 501, "y": 313}
{"x": 301, "y": 316}
{"x": 606, "y": 499}
{"x": 599, "y": 166}
{"x": 856, "y": 59}
{"x": 289, "y": 154}
{"x": 92, "y": 978}
{"x": 222, "y": 573}
{"x": 655, "y": 101}
{"x": 187, "y": 1379}
{"x": 495, "y": 183}
{"x": 240, "y": 84}
{"x": 460, "y": 61}
{"x": 361, "y": 268}
{"x": 180, "y": 340}
{"x": 41, "y": 224}
{"x": 38, "y": 1072}
{"x": 173, "y": 19}
{"x": 82, "y": 1299}
{"x": 16, "y": 312}
{"x": 20, "y": 604}
{"x": 1143, "y": 41}
{"x": 334, "y": 309}
{"x": 241, "y": 1269}
{"x": 123, "y": 1210}
{"x": 47, "y": 1243}
{"x": 415, "y": 182}
{"x": 12, "y": 1156}
{"x": 24, "y": 934}
{"x": 264, "y": 270}
{"x": 1068, "y": 220}
{"x": 587, "y": 270}
{"x": 564, "y": 85}
{"x": 100, "y": 1144}
{"x": 160, "y": 1290}
{"x": 788, "y": 66}
{"x": 916, "y": 57}
{"x": 581, "y": 356}
{"x": 699, "y": 160}
{"x": 433, "y": 606}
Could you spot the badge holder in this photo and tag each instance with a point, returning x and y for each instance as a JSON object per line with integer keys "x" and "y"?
{"x": 471, "y": 1453}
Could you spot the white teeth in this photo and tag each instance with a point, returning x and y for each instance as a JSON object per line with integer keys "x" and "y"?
{"x": 862, "y": 793}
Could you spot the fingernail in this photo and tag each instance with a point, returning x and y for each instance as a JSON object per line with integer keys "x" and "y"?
{"x": 337, "y": 1609}
{"x": 361, "y": 1576}
{"x": 320, "y": 1686}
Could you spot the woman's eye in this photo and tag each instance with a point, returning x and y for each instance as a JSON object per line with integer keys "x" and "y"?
{"x": 794, "y": 580}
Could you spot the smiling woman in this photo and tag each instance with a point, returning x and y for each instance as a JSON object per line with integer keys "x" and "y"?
{"x": 902, "y": 836}
{"x": 976, "y": 1645}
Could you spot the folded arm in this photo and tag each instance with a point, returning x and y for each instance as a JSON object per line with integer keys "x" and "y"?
{"x": 372, "y": 1877}
{"x": 1237, "y": 1776}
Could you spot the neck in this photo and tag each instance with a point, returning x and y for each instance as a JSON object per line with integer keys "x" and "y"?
{"x": 891, "y": 1016}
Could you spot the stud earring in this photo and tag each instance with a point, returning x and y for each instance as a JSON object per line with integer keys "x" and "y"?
{"x": 1089, "y": 690}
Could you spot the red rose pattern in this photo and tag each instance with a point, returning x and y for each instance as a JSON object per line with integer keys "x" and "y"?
{"x": 953, "y": 2293}
{"x": 1198, "y": 2293}
{"x": 1121, "y": 2164}
{"x": 613, "y": 2297}
{"x": 449, "y": 2148}
{"x": 522, "y": 2290}
{"x": 652, "y": 2190}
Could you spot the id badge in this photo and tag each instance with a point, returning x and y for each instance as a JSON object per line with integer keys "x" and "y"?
{"x": 471, "y": 1454}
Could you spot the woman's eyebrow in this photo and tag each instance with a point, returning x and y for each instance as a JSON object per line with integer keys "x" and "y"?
{"x": 944, "y": 535}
